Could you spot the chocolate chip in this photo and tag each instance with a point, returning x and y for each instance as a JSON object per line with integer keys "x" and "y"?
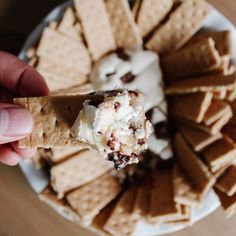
{"x": 127, "y": 78}
{"x": 116, "y": 105}
{"x": 149, "y": 114}
{"x": 162, "y": 130}
{"x": 123, "y": 55}
{"x": 141, "y": 141}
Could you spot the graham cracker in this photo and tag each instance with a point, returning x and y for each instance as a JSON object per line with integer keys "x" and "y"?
{"x": 100, "y": 220}
{"x": 64, "y": 51}
{"x": 197, "y": 138}
{"x": 79, "y": 89}
{"x": 227, "y": 181}
{"x": 124, "y": 28}
{"x": 210, "y": 83}
{"x": 216, "y": 110}
{"x": 96, "y": 27}
{"x": 151, "y": 13}
{"x": 190, "y": 106}
{"x": 220, "y": 152}
{"x": 233, "y": 107}
{"x": 80, "y": 169}
{"x": 222, "y": 39}
{"x": 38, "y": 160}
{"x": 191, "y": 164}
{"x": 230, "y": 131}
{"x": 59, "y": 76}
{"x": 182, "y": 24}
{"x": 142, "y": 202}
{"x": 53, "y": 117}
{"x": 184, "y": 191}
{"x": 196, "y": 59}
{"x": 163, "y": 207}
{"x": 122, "y": 215}
{"x": 60, "y": 154}
{"x": 59, "y": 205}
{"x": 227, "y": 202}
{"x": 67, "y": 25}
{"x": 89, "y": 199}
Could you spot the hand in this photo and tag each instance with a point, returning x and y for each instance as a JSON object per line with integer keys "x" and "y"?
{"x": 17, "y": 79}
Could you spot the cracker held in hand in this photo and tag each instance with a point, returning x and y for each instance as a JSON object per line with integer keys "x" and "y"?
{"x": 89, "y": 199}
{"x": 80, "y": 169}
{"x": 194, "y": 168}
{"x": 211, "y": 83}
{"x": 151, "y": 13}
{"x": 190, "y": 106}
{"x": 64, "y": 51}
{"x": 122, "y": 221}
{"x": 125, "y": 30}
{"x": 96, "y": 27}
{"x": 196, "y": 59}
{"x": 183, "y": 23}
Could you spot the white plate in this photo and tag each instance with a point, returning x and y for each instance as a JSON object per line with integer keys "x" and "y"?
{"x": 38, "y": 180}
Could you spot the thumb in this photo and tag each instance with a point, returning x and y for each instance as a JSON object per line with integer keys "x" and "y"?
{"x": 15, "y": 123}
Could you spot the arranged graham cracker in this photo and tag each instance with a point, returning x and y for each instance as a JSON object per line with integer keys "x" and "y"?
{"x": 190, "y": 106}
{"x": 89, "y": 199}
{"x": 125, "y": 30}
{"x": 210, "y": 83}
{"x": 227, "y": 181}
{"x": 216, "y": 110}
{"x": 182, "y": 24}
{"x": 122, "y": 221}
{"x": 80, "y": 169}
{"x": 100, "y": 220}
{"x": 59, "y": 154}
{"x": 194, "y": 168}
{"x": 233, "y": 108}
{"x": 67, "y": 25}
{"x": 64, "y": 51}
{"x": 59, "y": 76}
{"x": 222, "y": 39}
{"x": 79, "y": 89}
{"x": 96, "y": 27}
{"x": 163, "y": 207}
{"x": 142, "y": 202}
{"x": 196, "y": 59}
{"x": 197, "y": 138}
{"x": 151, "y": 13}
{"x": 53, "y": 117}
{"x": 184, "y": 191}
{"x": 227, "y": 202}
{"x": 230, "y": 131}
{"x": 59, "y": 205}
{"x": 220, "y": 152}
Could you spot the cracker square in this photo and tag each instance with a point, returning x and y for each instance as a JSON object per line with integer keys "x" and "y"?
{"x": 227, "y": 181}
{"x": 190, "y": 106}
{"x": 80, "y": 169}
{"x": 194, "y": 168}
{"x": 196, "y": 59}
{"x": 89, "y": 199}
{"x": 122, "y": 214}
{"x": 64, "y": 51}
{"x": 125, "y": 30}
{"x": 96, "y": 27}
{"x": 197, "y": 138}
{"x": 182, "y": 24}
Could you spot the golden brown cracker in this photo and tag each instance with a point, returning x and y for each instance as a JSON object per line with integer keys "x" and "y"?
{"x": 125, "y": 30}
{"x": 182, "y": 24}
{"x": 96, "y": 27}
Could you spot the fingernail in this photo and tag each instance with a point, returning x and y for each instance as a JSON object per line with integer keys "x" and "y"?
{"x": 15, "y": 122}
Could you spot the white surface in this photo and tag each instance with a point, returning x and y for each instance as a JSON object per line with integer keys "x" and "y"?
{"x": 215, "y": 21}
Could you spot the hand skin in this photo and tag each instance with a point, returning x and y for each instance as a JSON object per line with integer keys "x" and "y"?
{"x": 17, "y": 79}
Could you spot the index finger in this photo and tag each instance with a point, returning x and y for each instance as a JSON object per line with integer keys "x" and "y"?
{"x": 20, "y": 78}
